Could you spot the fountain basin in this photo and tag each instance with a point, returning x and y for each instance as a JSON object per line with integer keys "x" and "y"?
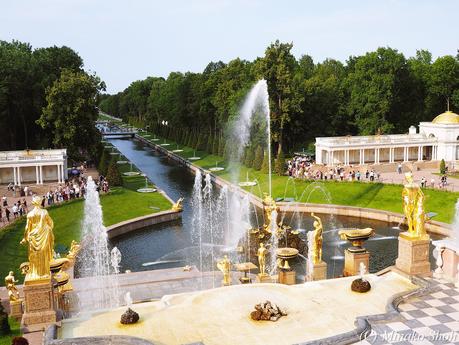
{"x": 222, "y": 316}
{"x": 216, "y": 169}
{"x": 131, "y": 173}
{"x": 247, "y": 184}
{"x": 146, "y": 190}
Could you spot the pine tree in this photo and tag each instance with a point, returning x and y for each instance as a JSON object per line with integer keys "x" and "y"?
{"x": 221, "y": 147}
{"x": 215, "y": 145}
{"x": 442, "y": 167}
{"x": 209, "y": 143}
{"x": 249, "y": 155}
{"x": 103, "y": 163}
{"x": 280, "y": 164}
{"x": 258, "y": 159}
{"x": 113, "y": 174}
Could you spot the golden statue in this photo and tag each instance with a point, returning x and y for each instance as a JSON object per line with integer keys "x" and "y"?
{"x": 73, "y": 251}
{"x": 413, "y": 208}
{"x": 39, "y": 235}
{"x": 269, "y": 206}
{"x": 178, "y": 206}
{"x": 317, "y": 244}
{"x": 224, "y": 265}
{"x": 262, "y": 251}
{"x": 10, "y": 282}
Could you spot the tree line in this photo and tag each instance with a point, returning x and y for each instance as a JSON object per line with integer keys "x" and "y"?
{"x": 47, "y": 100}
{"x": 379, "y": 92}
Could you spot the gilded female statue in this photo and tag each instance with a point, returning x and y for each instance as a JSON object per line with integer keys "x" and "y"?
{"x": 317, "y": 245}
{"x": 413, "y": 207}
{"x": 40, "y": 238}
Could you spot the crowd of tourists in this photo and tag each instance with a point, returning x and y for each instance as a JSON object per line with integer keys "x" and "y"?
{"x": 73, "y": 188}
{"x": 302, "y": 167}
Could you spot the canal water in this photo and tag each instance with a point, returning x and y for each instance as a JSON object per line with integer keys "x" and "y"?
{"x": 170, "y": 244}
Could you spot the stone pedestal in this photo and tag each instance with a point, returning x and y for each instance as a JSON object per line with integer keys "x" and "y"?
{"x": 16, "y": 309}
{"x": 352, "y": 262}
{"x": 264, "y": 278}
{"x": 413, "y": 255}
{"x": 287, "y": 277}
{"x": 39, "y": 308}
{"x": 319, "y": 272}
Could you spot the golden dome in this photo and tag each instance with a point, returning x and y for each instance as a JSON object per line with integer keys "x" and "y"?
{"x": 447, "y": 118}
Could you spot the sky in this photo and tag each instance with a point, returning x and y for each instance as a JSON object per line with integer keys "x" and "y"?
{"x": 124, "y": 41}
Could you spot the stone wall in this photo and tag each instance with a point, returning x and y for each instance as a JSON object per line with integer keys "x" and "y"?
{"x": 142, "y": 222}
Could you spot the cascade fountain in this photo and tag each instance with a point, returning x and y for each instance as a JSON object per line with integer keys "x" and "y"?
{"x": 101, "y": 290}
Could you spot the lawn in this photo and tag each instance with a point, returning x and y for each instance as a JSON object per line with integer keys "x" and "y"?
{"x": 15, "y": 332}
{"x": 121, "y": 204}
{"x": 362, "y": 194}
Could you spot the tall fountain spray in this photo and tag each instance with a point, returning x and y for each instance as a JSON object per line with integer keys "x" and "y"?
{"x": 255, "y": 104}
{"x": 254, "y": 109}
{"x": 101, "y": 290}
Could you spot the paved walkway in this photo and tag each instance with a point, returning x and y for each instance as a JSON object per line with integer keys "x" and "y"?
{"x": 430, "y": 319}
{"x": 428, "y": 174}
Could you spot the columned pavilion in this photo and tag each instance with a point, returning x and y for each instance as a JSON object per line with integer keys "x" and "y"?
{"x": 33, "y": 166}
{"x": 435, "y": 140}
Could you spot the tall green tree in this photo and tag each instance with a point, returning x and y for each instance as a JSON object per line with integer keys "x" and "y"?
{"x": 278, "y": 67}
{"x": 71, "y": 112}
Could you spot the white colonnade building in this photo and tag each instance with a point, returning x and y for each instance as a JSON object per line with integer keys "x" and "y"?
{"x": 33, "y": 166}
{"x": 435, "y": 141}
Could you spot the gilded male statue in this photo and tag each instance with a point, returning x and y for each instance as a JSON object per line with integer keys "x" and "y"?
{"x": 413, "y": 207}
{"x": 10, "y": 284}
{"x": 317, "y": 244}
{"x": 224, "y": 266}
{"x": 40, "y": 238}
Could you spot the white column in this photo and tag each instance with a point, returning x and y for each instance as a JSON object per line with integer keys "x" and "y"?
{"x": 332, "y": 158}
{"x": 63, "y": 173}
{"x": 36, "y": 174}
{"x": 360, "y": 156}
{"x": 19, "y": 175}
{"x": 419, "y": 153}
{"x": 405, "y": 154}
{"x": 58, "y": 172}
{"x": 390, "y": 154}
{"x": 41, "y": 174}
{"x": 363, "y": 156}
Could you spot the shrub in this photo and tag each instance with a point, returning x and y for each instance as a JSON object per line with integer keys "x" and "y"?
{"x": 442, "y": 167}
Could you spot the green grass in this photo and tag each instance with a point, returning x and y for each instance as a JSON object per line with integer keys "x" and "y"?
{"x": 361, "y": 194}
{"x": 15, "y": 332}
